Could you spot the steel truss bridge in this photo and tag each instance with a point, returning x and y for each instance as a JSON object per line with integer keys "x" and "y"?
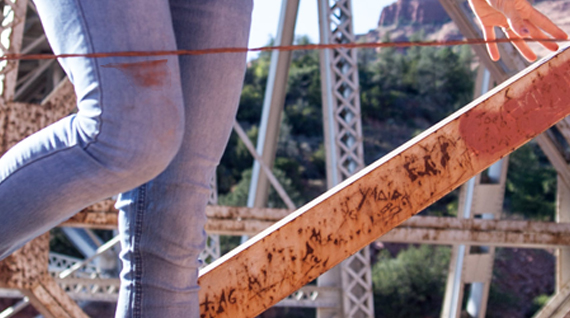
{"x": 361, "y": 207}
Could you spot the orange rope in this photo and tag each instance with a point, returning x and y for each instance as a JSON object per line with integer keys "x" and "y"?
{"x": 350, "y": 45}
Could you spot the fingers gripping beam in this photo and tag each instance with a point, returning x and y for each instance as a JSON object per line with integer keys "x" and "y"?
{"x": 324, "y": 232}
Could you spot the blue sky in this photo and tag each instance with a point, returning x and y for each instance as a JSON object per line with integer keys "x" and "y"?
{"x": 266, "y": 16}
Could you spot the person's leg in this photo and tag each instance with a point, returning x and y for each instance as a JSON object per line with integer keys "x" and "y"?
{"x": 163, "y": 221}
{"x": 128, "y": 127}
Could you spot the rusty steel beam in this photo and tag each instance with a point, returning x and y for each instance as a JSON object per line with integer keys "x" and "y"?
{"x": 22, "y": 120}
{"x": 51, "y": 301}
{"x": 448, "y": 231}
{"x": 26, "y": 266}
{"x": 103, "y": 215}
{"x": 505, "y": 233}
{"x": 227, "y": 220}
{"x": 321, "y": 234}
{"x": 555, "y": 306}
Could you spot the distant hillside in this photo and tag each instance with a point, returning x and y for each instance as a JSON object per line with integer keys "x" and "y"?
{"x": 404, "y": 18}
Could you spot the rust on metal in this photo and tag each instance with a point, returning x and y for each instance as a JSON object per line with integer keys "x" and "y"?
{"x": 51, "y": 301}
{"x": 19, "y": 120}
{"x": 24, "y": 267}
{"x": 221, "y": 219}
{"x": 27, "y": 268}
{"x": 101, "y": 215}
{"x": 321, "y": 234}
{"x": 228, "y": 220}
{"x": 447, "y": 231}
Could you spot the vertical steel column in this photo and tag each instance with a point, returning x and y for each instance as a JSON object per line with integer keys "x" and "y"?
{"x": 344, "y": 149}
{"x": 482, "y": 196}
{"x": 12, "y": 31}
{"x": 562, "y": 215}
{"x": 212, "y": 250}
{"x": 273, "y": 104}
{"x": 558, "y": 305}
{"x": 466, "y": 267}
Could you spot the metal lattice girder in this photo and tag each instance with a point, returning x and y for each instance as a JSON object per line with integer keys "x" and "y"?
{"x": 12, "y": 30}
{"x": 343, "y": 127}
{"x": 59, "y": 263}
{"x": 311, "y": 296}
{"x": 344, "y": 148}
{"x": 51, "y": 301}
{"x": 321, "y": 234}
{"x": 211, "y": 251}
{"x": 100, "y": 289}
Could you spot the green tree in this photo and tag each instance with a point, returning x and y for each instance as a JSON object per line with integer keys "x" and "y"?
{"x": 424, "y": 82}
{"x": 238, "y": 195}
{"x": 531, "y": 184}
{"x": 411, "y": 284}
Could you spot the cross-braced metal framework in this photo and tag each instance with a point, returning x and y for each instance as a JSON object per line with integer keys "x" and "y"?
{"x": 11, "y": 33}
{"x": 343, "y": 140}
{"x": 212, "y": 250}
{"x": 486, "y": 199}
{"x": 87, "y": 282}
{"x": 28, "y": 83}
{"x": 27, "y": 269}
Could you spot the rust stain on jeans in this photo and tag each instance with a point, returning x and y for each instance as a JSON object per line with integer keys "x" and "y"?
{"x": 145, "y": 74}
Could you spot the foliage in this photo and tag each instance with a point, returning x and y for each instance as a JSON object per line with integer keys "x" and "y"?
{"x": 238, "y": 196}
{"x": 59, "y": 243}
{"x": 499, "y": 301}
{"x": 411, "y": 284}
{"x": 426, "y": 82}
{"x": 531, "y": 184}
{"x": 300, "y": 132}
{"x": 538, "y": 303}
{"x": 412, "y": 89}
{"x": 235, "y": 160}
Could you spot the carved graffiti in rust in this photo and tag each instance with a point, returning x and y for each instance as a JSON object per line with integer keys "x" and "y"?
{"x": 210, "y": 308}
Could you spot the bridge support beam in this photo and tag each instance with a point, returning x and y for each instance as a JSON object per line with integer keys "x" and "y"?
{"x": 336, "y": 225}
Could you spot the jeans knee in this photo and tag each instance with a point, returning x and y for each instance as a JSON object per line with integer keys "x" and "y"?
{"x": 138, "y": 150}
{"x": 148, "y": 159}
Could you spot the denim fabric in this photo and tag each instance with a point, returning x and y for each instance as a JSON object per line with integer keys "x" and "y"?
{"x": 153, "y": 128}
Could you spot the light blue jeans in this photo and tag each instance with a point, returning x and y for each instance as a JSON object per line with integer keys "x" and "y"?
{"x": 165, "y": 119}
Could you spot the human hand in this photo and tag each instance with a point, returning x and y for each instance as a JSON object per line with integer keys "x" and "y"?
{"x": 518, "y": 19}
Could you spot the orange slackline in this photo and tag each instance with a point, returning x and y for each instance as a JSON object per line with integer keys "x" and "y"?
{"x": 349, "y": 45}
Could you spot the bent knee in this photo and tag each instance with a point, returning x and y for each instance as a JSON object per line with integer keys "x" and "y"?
{"x": 140, "y": 151}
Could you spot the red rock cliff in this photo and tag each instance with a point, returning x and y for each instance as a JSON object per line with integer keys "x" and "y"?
{"x": 411, "y": 12}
